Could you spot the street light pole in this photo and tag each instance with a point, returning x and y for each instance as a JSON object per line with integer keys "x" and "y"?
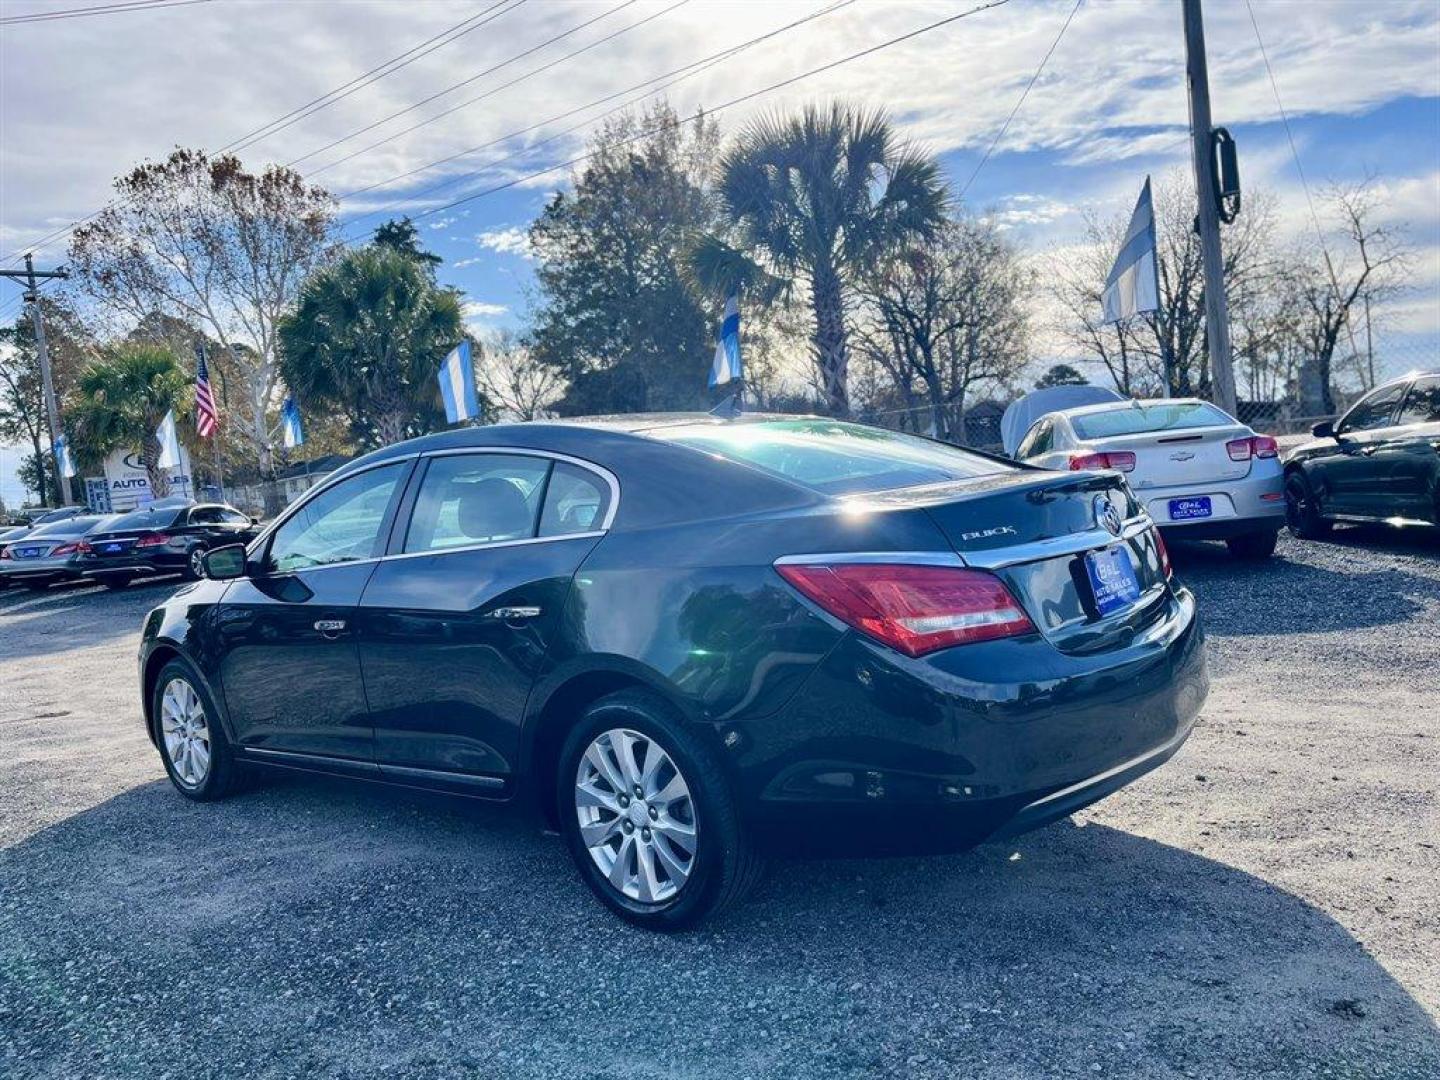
{"x": 31, "y": 277}
{"x": 1207, "y": 221}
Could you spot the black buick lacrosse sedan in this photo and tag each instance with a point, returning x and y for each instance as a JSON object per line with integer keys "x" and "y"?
{"x": 691, "y": 642}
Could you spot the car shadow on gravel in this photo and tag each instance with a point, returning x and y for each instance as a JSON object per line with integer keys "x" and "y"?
{"x": 1287, "y": 595}
{"x": 318, "y": 927}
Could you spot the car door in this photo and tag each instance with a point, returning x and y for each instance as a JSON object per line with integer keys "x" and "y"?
{"x": 1351, "y": 480}
{"x": 288, "y": 661}
{"x": 454, "y": 625}
{"x": 1410, "y": 456}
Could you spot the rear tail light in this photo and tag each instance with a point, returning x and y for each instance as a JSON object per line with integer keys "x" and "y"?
{"x": 1260, "y": 446}
{"x": 1123, "y": 460}
{"x": 65, "y": 549}
{"x": 5, "y": 553}
{"x": 915, "y": 609}
{"x": 84, "y": 548}
{"x": 154, "y": 540}
{"x": 1165, "y": 566}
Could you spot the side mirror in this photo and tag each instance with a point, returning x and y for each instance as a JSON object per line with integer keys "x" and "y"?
{"x": 254, "y": 520}
{"x": 225, "y": 563}
{"x": 1324, "y": 430}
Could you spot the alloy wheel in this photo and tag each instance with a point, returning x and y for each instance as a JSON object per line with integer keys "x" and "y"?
{"x": 636, "y": 815}
{"x": 186, "y": 732}
{"x": 197, "y": 563}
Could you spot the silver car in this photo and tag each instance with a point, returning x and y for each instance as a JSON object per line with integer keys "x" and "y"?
{"x": 46, "y": 555}
{"x": 1201, "y": 474}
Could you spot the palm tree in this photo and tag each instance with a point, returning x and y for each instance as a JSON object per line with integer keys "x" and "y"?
{"x": 366, "y": 340}
{"x": 819, "y": 197}
{"x": 120, "y": 401}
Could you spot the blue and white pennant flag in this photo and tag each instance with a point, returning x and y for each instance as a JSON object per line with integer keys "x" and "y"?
{"x": 726, "y": 366}
{"x": 457, "y": 385}
{"x": 169, "y": 442}
{"x": 62, "y": 451}
{"x": 1134, "y": 283}
{"x": 291, "y": 430}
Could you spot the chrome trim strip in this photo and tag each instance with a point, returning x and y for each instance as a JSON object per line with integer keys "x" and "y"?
{"x": 1035, "y": 550}
{"x": 485, "y": 544}
{"x": 469, "y": 779}
{"x": 299, "y": 757}
{"x": 611, "y": 481}
{"x": 908, "y": 558}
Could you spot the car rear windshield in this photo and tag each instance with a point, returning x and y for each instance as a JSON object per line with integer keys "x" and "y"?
{"x": 75, "y": 526}
{"x": 145, "y": 519}
{"x": 834, "y": 457}
{"x": 1139, "y": 419}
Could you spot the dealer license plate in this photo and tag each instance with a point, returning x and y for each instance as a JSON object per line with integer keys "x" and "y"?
{"x": 27, "y": 553}
{"x": 1112, "y": 579}
{"x": 1185, "y": 509}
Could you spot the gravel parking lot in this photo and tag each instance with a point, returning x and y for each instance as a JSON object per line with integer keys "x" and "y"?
{"x": 1268, "y": 904}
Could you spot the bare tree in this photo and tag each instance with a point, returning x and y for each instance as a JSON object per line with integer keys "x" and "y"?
{"x": 1368, "y": 265}
{"x": 202, "y": 240}
{"x": 514, "y": 381}
{"x": 946, "y": 314}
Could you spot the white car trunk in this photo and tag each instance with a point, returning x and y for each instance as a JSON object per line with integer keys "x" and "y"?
{"x": 1187, "y": 457}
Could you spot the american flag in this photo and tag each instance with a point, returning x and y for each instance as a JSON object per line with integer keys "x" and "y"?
{"x": 206, "y": 418}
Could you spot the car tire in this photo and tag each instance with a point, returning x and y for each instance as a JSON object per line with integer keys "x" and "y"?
{"x": 722, "y": 864}
{"x": 195, "y": 563}
{"x": 1302, "y": 515}
{"x": 191, "y": 739}
{"x": 1255, "y": 546}
{"x": 114, "y": 582}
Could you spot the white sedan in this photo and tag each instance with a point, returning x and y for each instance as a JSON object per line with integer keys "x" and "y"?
{"x": 1201, "y": 474}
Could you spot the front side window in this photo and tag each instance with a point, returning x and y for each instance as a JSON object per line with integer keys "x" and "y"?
{"x": 833, "y": 457}
{"x": 1372, "y": 412}
{"x": 1422, "y": 404}
{"x": 341, "y": 524}
{"x": 468, "y": 499}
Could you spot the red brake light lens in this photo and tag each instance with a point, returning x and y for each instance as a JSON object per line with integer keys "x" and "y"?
{"x": 1260, "y": 446}
{"x": 1164, "y": 555}
{"x": 65, "y": 549}
{"x": 915, "y": 609}
{"x": 153, "y": 540}
{"x": 1123, "y": 460}
{"x": 5, "y": 553}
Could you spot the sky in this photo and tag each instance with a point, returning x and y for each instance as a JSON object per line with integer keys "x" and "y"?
{"x": 85, "y": 98}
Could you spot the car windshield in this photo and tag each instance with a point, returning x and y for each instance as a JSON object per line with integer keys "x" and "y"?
{"x": 1140, "y": 419}
{"x": 148, "y": 518}
{"x": 834, "y": 457}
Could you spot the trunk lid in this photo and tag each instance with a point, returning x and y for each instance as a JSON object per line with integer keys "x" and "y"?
{"x": 1036, "y": 531}
{"x": 1187, "y": 456}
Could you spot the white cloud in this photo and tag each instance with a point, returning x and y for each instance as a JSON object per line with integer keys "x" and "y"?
{"x": 479, "y": 309}
{"x": 512, "y": 240}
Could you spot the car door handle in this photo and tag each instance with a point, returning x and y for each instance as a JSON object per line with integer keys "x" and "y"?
{"x": 512, "y": 614}
{"x": 330, "y": 628}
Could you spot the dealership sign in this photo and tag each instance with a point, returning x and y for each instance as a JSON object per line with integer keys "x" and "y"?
{"x": 128, "y": 485}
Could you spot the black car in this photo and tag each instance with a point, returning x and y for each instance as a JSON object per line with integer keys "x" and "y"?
{"x": 161, "y": 540}
{"x": 691, "y": 642}
{"x": 1380, "y": 462}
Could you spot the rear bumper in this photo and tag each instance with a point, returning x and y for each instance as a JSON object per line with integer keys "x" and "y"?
{"x": 1254, "y": 504}
{"x": 42, "y": 572}
{"x": 129, "y": 567}
{"x": 880, "y": 754}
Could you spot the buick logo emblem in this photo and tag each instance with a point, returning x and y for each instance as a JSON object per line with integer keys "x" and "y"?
{"x": 1107, "y": 516}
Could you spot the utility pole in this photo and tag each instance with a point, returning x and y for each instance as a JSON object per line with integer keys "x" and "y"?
{"x": 1207, "y": 222}
{"x": 31, "y": 277}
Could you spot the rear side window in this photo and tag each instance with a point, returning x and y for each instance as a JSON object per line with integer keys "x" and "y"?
{"x": 833, "y": 457}
{"x": 1038, "y": 441}
{"x": 476, "y": 499}
{"x": 1422, "y": 404}
{"x": 575, "y": 501}
{"x": 1143, "y": 419}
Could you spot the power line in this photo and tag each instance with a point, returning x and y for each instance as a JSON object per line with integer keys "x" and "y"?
{"x": 1309, "y": 201}
{"x": 484, "y": 18}
{"x": 488, "y": 93}
{"x": 1021, "y": 100}
{"x": 98, "y": 9}
{"x": 690, "y": 70}
{"x": 722, "y": 107}
{"x": 388, "y": 67}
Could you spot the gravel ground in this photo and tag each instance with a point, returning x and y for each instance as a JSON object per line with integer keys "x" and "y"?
{"x": 1268, "y": 904}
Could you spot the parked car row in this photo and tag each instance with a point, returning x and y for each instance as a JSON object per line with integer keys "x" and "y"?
{"x": 1203, "y": 475}
{"x": 71, "y": 544}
